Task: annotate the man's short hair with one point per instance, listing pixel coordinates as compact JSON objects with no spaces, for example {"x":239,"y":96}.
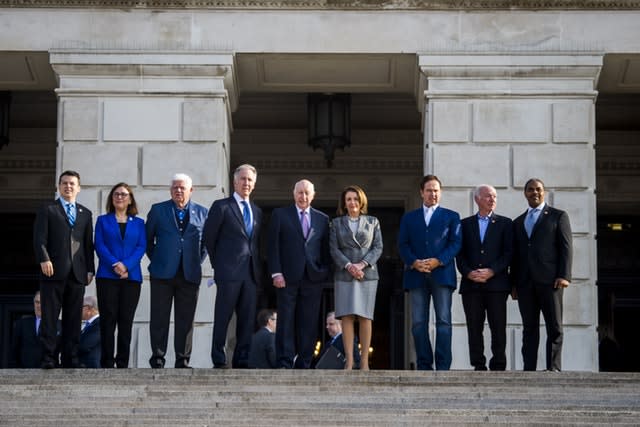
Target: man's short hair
{"x":476,"y":191}
{"x":264,"y":315}
{"x":182,"y":177}
{"x":428,"y":178}
{"x":236,"y":172}
{"x":91,"y":301}
{"x":69,"y":173}
{"x":530,"y":180}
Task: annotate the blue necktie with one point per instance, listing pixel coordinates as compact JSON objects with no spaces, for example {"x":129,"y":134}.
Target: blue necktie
{"x":181,"y":214}
{"x":70,"y":216}
{"x":246,"y":215}
{"x":530,"y":221}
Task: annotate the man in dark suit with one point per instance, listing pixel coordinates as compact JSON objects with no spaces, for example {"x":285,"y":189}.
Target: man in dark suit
{"x":540,"y":270}
{"x":299,"y":263}
{"x":483,"y":262}
{"x":89,"y":351}
{"x":63,"y":245}
{"x":174,"y":231}
{"x":263,"y":343}
{"x":429,"y":239}
{"x":231,"y":235}
{"x":26,"y":348}
{"x":334,"y":329}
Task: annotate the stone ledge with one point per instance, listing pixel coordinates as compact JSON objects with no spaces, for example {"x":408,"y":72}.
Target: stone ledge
{"x":334,"y":4}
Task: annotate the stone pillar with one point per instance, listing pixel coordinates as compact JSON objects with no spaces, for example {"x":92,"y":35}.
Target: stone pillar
{"x":501,"y":119}
{"x":140,"y":117}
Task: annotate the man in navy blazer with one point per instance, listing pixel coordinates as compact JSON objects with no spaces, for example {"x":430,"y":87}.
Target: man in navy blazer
{"x":90,"y":349}
{"x":299,"y":263}
{"x":540,"y":270}
{"x":429,"y":239}
{"x":174,"y":232}
{"x":231,"y":236}
{"x":63,"y":245}
{"x":483,"y":262}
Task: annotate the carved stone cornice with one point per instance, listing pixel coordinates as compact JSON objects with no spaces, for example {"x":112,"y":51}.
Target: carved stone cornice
{"x":333,"y":4}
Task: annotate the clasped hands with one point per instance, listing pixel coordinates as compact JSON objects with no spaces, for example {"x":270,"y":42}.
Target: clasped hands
{"x":480,"y":275}
{"x":426,"y":265}
{"x":356,"y":269}
{"x":121,"y":270}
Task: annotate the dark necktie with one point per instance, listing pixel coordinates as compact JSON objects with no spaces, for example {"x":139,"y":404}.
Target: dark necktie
{"x":246,"y":215}
{"x":70,"y":215}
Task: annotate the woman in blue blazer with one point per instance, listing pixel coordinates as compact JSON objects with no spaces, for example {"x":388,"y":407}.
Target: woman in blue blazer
{"x":120,"y":243}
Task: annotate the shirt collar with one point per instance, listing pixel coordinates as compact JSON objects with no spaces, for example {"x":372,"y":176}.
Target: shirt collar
{"x":239,"y":199}
{"x":430,"y":208}
{"x":538,"y":208}
{"x":484,"y":218}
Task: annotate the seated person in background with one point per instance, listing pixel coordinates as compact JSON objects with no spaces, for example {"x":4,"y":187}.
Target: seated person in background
{"x":26,"y":348}
{"x":263,"y":344}
{"x":89,"y":351}
{"x":334,"y":329}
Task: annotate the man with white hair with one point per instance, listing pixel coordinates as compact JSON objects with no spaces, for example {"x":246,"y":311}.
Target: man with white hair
{"x":174,"y":231}
{"x":299,"y":264}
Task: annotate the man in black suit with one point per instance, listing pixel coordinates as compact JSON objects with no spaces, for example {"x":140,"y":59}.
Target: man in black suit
{"x":541,"y":269}
{"x":483,"y":262}
{"x":334,"y":329}
{"x":26,"y":346}
{"x":90,"y":343}
{"x":231,"y":236}
{"x":263,"y":343}
{"x":63,"y":245}
{"x":299,"y":263}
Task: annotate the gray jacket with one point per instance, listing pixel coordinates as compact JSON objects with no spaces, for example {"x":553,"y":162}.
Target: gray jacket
{"x":365,"y":245}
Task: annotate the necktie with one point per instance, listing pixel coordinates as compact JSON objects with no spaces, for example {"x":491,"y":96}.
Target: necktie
{"x":483,"y":223}
{"x":246,"y":215}
{"x":530,"y":221}
{"x":181,"y":214}
{"x":70,"y":215}
{"x":304,"y":221}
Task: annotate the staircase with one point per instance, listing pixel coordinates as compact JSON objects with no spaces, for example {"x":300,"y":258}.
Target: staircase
{"x":207,"y":397}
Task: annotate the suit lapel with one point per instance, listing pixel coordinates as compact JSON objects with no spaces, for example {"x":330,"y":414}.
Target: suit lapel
{"x":475,"y":230}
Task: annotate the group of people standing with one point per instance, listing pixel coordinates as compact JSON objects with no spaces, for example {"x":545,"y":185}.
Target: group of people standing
{"x":529,"y":258}
{"x":304,"y":247}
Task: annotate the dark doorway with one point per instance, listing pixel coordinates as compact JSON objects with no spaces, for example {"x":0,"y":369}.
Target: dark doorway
{"x":388,"y":325}
{"x":618,"y":293}
{"x":18,"y":276}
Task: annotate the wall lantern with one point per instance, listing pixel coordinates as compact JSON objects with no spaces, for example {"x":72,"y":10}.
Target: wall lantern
{"x":329,"y":124}
{"x":5,"y":101}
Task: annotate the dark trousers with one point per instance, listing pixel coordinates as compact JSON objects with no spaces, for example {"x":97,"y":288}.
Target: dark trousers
{"x":184,"y":295}
{"x":532,"y":300}
{"x":479,"y":306}
{"x":298,"y":313}
{"x":66,"y":295}
{"x":118,"y":300}
{"x":239,"y":297}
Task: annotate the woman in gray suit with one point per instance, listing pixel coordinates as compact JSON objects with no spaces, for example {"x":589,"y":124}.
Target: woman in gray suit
{"x":355,"y":244}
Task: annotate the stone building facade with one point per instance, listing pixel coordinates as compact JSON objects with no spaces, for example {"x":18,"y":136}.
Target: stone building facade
{"x":472,"y":91}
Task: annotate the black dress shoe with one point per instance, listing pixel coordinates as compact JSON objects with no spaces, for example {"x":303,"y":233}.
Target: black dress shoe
{"x":48,"y":365}
{"x":480,"y":368}
{"x":221,"y":366}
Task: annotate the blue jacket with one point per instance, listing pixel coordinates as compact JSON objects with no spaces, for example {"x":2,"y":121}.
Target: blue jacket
{"x":441,"y":240}
{"x":166,"y":246}
{"x":112,"y":248}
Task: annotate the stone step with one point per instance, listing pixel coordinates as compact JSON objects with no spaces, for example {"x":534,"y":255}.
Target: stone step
{"x":203,"y":397}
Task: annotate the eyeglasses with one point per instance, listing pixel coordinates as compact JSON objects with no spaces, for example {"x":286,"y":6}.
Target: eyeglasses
{"x":121,"y":195}
{"x":273,"y":318}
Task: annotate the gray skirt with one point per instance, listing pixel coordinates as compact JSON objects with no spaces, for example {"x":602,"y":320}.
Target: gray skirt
{"x":355,"y":298}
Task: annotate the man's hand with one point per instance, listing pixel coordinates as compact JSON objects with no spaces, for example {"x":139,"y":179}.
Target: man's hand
{"x":278,"y":281}
{"x":421,"y":265}
{"x":561,"y":283}
{"x":47,"y":268}
{"x":481,"y":275}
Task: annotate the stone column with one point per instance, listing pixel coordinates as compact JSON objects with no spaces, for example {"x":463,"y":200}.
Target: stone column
{"x":501,"y":119}
{"x":140,"y":117}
